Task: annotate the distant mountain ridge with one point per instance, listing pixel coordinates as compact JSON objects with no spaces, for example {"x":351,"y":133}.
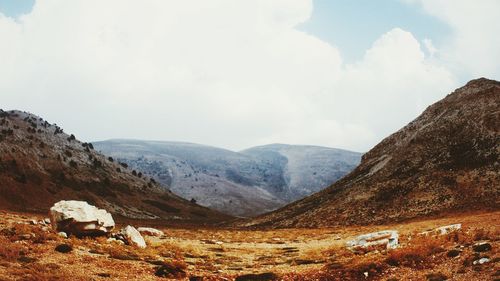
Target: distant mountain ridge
{"x":446,"y":160}
{"x":246,"y":183}
{"x":40,"y":164}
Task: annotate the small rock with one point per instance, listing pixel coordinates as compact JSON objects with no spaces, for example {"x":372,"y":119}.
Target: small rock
{"x":62,"y":234}
{"x":131,"y":236}
{"x":481,"y":247}
{"x":33,"y":222}
{"x":149,"y":231}
{"x":46,"y":220}
{"x":64,"y":248}
{"x":481,"y":261}
{"x":443,"y":230}
{"x":453,"y":253}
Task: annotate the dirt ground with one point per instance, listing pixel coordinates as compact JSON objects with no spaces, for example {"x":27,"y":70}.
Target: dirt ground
{"x":27,"y":252}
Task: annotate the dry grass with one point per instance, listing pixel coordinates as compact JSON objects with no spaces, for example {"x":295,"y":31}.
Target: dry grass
{"x":292,"y":254}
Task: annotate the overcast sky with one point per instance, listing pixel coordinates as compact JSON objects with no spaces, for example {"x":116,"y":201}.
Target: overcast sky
{"x":236,"y":74}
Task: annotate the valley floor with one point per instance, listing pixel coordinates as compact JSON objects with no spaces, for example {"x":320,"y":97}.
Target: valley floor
{"x":27,"y":252}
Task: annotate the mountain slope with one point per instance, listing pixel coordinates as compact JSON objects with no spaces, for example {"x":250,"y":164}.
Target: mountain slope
{"x":446,"y":160}
{"x":40,"y":165}
{"x":246,"y":183}
{"x":306,"y":169}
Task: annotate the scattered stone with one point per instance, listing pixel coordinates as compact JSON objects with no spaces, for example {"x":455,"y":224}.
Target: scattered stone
{"x":387,"y":239}
{"x":481,"y":261}
{"x":64,"y":248}
{"x":46,"y":220}
{"x":436,"y":277}
{"x":453,"y":253}
{"x":114,"y":240}
{"x":149,"y":231}
{"x":268,"y":276}
{"x":131,"y":236}
{"x":481,"y":247}
{"x":62,"y":234}
{"x":80,"y":218}
{"x":33,"y":222}
{"x":443,"y":230}
{"x":170,"y":271}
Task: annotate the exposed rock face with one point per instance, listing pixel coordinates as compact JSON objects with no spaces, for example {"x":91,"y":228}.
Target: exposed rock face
{"x":80,"y":218}
{"x":446,"y":160}
{"x":131,"y":236}
{"x":149,"y":231}
{"x":41,"y":165}
{"x":245,"y":183}
{"x":387,"y":239}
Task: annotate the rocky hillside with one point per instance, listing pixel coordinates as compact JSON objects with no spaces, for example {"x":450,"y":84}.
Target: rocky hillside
{"x":40,"y":165}
{"x":446,"y":160}
{"x":246,"y":183}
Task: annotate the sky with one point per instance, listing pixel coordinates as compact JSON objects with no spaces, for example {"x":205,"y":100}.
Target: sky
{"x":237,"y":73}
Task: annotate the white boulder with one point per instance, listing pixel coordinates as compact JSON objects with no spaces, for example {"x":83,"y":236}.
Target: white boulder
{"x":387,"y":239}
{"x":80,"y":218}
{"x":131,"y":236}
{"x":149,"y":231}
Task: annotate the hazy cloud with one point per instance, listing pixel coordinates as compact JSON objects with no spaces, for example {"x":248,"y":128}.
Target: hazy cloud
{"x":226,"y":73}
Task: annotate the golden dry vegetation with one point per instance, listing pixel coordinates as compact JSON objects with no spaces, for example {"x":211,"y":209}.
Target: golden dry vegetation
{"x":27,"y":252}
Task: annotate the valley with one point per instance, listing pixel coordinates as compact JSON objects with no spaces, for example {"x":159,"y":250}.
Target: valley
{"x":199,"y":253}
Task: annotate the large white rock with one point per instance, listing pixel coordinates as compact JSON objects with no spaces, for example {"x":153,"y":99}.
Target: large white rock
{"x":149,"y":231}
{"x":387,"y":239}
{"x":131,"y":236}
{"x":80,"y":218}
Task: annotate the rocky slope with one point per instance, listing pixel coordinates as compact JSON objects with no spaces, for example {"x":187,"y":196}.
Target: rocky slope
{"x":246,"y":183}
{"x":40,"y":165}
{"x":446,"y":160}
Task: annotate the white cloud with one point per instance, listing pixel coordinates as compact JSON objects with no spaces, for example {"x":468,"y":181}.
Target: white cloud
{"x":226,"y":73}
{"x":473,"y":50}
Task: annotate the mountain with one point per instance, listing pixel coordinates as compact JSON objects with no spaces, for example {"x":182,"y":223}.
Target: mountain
{"x":446,"y":160}
{"x":305,"y":169}
{"x":40,"y":165}
{"x":245,"y":183}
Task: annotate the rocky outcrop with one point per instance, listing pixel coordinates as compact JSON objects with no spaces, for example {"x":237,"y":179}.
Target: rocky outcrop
{"x":80,"y":218}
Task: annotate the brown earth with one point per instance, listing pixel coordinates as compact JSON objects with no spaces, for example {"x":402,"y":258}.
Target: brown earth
{"x":27,"y":252}
{"x":446,"y":160}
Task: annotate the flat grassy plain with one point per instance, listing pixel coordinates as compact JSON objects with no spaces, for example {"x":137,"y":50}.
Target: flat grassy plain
{"x":27,"y":252}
